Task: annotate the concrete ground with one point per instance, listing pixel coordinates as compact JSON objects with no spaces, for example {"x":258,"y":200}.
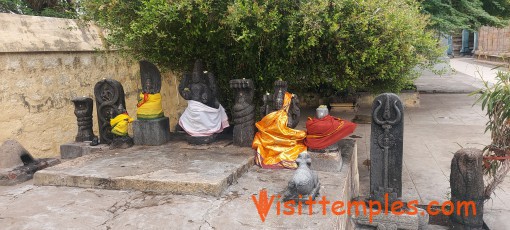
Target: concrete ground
{"x":446,"y":121}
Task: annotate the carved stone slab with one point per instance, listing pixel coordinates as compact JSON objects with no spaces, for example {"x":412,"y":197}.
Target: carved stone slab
{"x":109,"y":95}
{"x":386,"y":147}
{"x":151,"y":77}
{"x":243,"y":112}
{"x":83,"y":110}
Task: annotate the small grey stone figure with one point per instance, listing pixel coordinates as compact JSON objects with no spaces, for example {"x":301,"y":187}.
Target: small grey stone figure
{"x":109,"y":94}
{"x":199,"y":86}
{"x":304,"y":182}
{"x":273,"y":102}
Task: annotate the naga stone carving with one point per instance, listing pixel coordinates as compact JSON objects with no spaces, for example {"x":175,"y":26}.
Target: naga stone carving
{"x":466,"y":182}
{"x":243,"y":112}
{"x":109,"y":95}
{"x":83,"y":110}
{"x":273,"y":102}
{"x":304,"y":183}
{"x":386,"y":148}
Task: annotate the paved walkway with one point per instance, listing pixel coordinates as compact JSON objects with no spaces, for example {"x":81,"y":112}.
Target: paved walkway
{"x":446,"y":120}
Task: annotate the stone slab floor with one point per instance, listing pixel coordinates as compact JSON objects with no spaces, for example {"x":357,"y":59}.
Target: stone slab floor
{"x":433,"y":132}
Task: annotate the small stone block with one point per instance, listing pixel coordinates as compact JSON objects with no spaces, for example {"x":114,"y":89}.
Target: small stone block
{"x":77,"y":149}
{"x":151,"y":132}
{"x":326,"y":161}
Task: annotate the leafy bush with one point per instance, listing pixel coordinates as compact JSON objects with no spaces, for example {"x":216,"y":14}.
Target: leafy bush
{"x":345,"y":44}
{"x":494,"y":99}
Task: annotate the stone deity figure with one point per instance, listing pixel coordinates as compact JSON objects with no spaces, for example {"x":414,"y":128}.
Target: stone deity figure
{"x":83,"y":110}
{"x":277,"y":143}
{"x":324,"y":131}
{"x":119,"y":125}
{"x":243,"y":112}
{"x":204,"y":117}
{"x":149,"y":105}
{"x":304,"y":182}
{"x":273,"y":102}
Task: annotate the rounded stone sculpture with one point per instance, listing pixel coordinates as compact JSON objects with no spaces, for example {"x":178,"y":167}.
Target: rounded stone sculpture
{"x":243,"y":112}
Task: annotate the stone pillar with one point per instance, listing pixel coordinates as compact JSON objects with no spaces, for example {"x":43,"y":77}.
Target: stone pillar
{"x":243,"y":112}
{"x":386,"y":148}
{"x":109,"y":95}
{"x":466,"y":183}
{"x":83,"y":110}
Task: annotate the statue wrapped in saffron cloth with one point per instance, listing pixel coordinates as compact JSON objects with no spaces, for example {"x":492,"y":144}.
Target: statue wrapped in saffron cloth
{"x":277,"y":145}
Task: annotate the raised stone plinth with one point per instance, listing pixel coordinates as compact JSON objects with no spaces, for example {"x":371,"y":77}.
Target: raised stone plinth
{"x":151,"y":132}
{"x":175,"y":167}
{"x":327,"y":160}
{"x":77,"y":149}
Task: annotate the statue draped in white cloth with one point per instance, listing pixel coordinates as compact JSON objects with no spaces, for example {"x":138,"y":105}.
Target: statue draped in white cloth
{"x":204,"y":115}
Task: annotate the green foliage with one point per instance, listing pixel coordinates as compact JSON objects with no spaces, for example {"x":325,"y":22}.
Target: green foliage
{"x":47,"y":8}
{"x":494,"y":100}
{"x":451,"y":15}
{"x":343,"y":44}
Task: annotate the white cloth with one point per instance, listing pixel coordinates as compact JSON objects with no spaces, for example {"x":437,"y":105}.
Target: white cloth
{"x":201,"y":120}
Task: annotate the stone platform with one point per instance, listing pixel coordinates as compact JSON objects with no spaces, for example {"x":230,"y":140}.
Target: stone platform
{"x":151,"y":132}
{"x":175,"y":167}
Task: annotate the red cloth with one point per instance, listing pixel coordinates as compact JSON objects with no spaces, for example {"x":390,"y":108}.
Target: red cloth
{"x":326,"y":131}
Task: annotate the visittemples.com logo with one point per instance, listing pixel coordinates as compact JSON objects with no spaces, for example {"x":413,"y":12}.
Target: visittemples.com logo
{"x":264,"y":204}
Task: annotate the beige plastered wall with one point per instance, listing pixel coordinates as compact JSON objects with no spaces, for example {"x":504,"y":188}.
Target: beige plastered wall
{"x":44,"y":63}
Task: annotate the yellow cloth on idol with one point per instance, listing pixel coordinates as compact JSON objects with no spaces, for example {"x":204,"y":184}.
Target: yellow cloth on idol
{"x":120,"y":124}
{"x":278,"y":145}
{"x":149,"y":106}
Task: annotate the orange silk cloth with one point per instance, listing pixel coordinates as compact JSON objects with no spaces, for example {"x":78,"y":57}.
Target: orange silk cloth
{"x":326,"y":131}
{"x":277,"y":145}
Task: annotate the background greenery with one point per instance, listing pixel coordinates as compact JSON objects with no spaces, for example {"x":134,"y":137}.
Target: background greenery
{"x":448,"y":16}
{"x":343,"y":45}
{"x":48,"y":8}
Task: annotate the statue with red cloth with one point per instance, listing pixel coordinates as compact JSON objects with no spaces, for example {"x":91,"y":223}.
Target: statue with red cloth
{"x":324,"y":131}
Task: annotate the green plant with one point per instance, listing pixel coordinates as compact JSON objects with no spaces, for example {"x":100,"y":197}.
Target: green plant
{"x":495,"y":101}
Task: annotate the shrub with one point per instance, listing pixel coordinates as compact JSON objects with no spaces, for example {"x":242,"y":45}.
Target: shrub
{"x":346,"y":44}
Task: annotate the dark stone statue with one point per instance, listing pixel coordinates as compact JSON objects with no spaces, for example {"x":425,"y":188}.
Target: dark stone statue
{"x":122,"y":140}
{"x":199,"y":86}
{"x":386,"y":148}
{"x":304,"y":182}
{"x":151,"y":126}
{"x":83,"y":111}
{"x":466,"y":183}
{"x":151,"y":77}
{"x":273,"y":102}
{"x":109,"y":95}
{"x":204,"y":117}
{"x":243,"y":112}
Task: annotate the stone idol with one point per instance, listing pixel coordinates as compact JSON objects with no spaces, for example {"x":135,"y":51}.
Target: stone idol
{"x":109,"y":96}
{"x":323,"y":133}
{"x":204,"y":117}
{"x":151,"y":126}
{"x":273,"y":102}
{"x":119,"y":125}
{"x":243,"y":112}
{"x":304,"y":183}
{"x":83,"y":110}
